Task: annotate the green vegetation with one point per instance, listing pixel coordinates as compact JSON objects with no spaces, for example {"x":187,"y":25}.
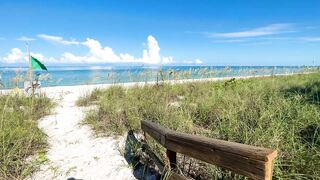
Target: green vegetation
{"x":20,"y":137}
{"x":281,"y":113}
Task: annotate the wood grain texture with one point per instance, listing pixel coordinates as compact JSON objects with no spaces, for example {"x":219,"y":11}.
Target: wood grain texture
{"x":251,"y":161}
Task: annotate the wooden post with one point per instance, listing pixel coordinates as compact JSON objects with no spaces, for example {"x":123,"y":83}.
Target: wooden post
{"x":253,"y":162}
{"x":172,"y":156}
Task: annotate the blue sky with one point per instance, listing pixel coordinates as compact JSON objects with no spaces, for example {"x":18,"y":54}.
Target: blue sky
{"x":217,"y":32}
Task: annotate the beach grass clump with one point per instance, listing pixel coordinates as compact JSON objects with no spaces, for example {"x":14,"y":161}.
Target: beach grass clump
{"x":20,"y":137}
{"x":89,"y":99}
{"x":277,"y":112}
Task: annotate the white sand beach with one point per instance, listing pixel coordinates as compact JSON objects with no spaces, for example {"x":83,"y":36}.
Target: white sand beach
{"x":74,"y":151}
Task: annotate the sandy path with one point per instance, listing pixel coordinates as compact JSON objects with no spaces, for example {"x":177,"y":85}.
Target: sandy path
{"x":73,"y":150}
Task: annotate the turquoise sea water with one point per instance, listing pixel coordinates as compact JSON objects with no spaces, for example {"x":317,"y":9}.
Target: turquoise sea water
{"x":11,"y":77}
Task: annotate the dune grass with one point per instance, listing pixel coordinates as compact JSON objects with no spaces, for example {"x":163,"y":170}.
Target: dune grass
{"x":280,"y":112}
{"x":20,"y":137}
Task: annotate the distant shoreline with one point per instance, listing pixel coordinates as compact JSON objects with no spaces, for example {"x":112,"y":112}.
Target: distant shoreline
{"x":97,"y":75}
{"x":150,"y":65}
{"x":84,"y":89}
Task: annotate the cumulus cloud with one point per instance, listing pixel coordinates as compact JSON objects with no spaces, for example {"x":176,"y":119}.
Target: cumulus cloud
{"x":58,"y":39}
{"x":69,"y":57}
{"x":270,"y":29}
{"x":99,"y":54}
{"x":167,"y":60}
{"x":39,"y":56}
{"x":16,"y":55}
{"x":196,"y":61}
{"x":152,"y":53}
{"x":25,"y":38}
{"x":127,"y":57}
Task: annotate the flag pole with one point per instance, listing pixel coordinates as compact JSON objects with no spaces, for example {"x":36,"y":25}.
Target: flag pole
{"x":30,"y":68}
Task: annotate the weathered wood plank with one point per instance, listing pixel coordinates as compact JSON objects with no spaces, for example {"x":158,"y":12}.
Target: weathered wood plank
{"x":155,"y":131}
{"x":253,"y":162}
{"x":249,"y":151}
{"x":239,"y":164}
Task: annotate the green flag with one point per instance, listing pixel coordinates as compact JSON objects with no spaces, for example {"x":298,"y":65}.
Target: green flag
{"x":36,"y":64}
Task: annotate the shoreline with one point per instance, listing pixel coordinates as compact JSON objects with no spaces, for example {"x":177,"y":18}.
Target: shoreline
{"x":52,"y":91}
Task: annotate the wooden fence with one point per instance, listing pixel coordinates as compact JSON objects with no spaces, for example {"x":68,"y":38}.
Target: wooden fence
{"x":250,"y":161}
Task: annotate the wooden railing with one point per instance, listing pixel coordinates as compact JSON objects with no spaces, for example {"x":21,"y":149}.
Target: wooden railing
{"x":253,"y":162}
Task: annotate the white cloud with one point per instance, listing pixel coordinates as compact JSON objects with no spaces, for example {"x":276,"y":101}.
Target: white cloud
{"x":99,"y":54}
{"x":15,"y":56}
{"x":39,"y":56}
{"x":188,"y":62}
{"x":25,"y":38}
{"x":127,"y":57}
{"x":196,"y":61}
{"x":311,"y":39}
{"x":58,"y":39}
{"x":96,"y":53}
{"x":167,"y":60}
{"x":270,"y":29}
{"x":69,"y":57}
{"x":151,"y":54}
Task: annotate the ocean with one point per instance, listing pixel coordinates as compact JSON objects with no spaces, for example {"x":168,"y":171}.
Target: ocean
{"x":11,"y":77}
